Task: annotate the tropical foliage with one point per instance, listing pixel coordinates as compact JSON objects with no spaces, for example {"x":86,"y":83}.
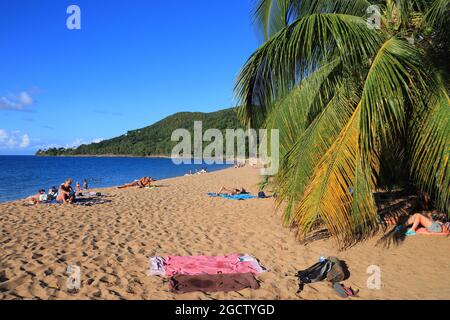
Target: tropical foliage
{"x":154,"y":140}
{"x":360,"y":96}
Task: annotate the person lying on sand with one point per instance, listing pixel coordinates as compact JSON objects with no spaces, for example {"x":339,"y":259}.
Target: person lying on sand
{"x":141,"y":183}
{"x":66,"y":193}
{"x":419,"y":220}
{"x":232,"y":192}
{"x":38,"y":197}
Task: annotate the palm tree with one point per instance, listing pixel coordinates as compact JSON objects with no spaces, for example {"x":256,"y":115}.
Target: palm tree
{"x":360,"y":104}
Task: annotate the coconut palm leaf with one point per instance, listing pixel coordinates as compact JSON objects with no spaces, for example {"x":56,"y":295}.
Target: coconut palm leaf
{"x":295,"y":52}
{"x":431,"y":149}
{"x":329,"y":197}
{"x":271,"y":16}
{"x":291,"y":114}
{"x":396,"y":73}
{"x":299,"y":164}
{"x":438,"y":13}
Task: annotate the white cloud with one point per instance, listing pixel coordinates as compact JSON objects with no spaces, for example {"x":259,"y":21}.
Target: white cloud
{"x":98,"y":140}
{"x":14,"y":140}
{"x":17,"y":102}
{"x":3,"y":135}
{"x":25,"y":143}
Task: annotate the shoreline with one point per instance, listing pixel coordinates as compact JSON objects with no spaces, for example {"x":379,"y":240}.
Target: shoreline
{"x":116,"y":186}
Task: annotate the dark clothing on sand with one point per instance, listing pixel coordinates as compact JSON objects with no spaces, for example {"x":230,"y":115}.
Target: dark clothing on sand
{"x":213,"y":283}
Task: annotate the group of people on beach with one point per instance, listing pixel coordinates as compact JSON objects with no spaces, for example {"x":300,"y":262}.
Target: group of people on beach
{"x":202,"y":171}
{"x":64,"y":194}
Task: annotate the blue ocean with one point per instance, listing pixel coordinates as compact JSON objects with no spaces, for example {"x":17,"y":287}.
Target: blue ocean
{"x":22,"y":176}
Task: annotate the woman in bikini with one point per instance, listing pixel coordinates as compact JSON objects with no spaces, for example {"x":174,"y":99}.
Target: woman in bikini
{"x":141,"y":183}
{"x":66,"y":194}
{"x":432,"y":225}
{"x":232,"y":192}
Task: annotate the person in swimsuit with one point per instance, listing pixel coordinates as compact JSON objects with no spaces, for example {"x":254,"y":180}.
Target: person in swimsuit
{"x":85,"y":185}
{"x":141,"y":183}
{"x":66,"y":194}
{"x":37,"y":198}
{"x":433,"y":226}
{"x":232,"y":192}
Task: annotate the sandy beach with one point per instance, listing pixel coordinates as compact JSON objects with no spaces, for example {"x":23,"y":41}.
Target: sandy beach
{"x":112,"y":243}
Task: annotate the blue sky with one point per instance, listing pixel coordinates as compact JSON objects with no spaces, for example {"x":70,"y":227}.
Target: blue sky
{"x":131,"y":64}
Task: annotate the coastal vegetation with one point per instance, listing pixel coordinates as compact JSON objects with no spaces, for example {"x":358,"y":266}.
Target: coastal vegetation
{"x":360,"y":94}
{"x":154,"y":140}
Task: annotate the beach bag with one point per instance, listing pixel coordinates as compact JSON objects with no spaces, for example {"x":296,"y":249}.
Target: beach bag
{"x":315,"y":273}
{"x":330,"y":269}
{"x":336,"y":274}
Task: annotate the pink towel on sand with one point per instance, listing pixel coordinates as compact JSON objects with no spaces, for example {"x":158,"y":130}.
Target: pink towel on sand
{"x":233,"y":263}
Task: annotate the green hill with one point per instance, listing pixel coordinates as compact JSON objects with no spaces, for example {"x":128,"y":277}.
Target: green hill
{"x":154,"y":140}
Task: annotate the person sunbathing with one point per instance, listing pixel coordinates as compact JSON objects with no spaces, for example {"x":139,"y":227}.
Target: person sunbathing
{"x":419,"y":220}
{"x":141,"y":183}
{"x":38,"y":197}
{"x":232,"y":192}
{"x":66,"y":194}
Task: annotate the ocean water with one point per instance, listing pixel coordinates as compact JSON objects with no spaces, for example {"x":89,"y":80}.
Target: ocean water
{"x":22,"y":176}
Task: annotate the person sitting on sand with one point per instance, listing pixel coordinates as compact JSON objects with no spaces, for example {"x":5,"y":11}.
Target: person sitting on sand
{"x":419,"y":220}
{"x":38,"y":197}
{"x":52,"y":193}
{"x":141,"y":183}
{"x":85,"y":185}
{"x":232,"y":192}
{"x":66,"y":194}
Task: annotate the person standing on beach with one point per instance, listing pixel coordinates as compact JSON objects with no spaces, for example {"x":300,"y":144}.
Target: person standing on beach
{"x":85,"y":185}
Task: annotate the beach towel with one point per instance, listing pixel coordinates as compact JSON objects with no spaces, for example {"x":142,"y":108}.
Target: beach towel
{"x":213,"y":283}
{"x":193,"y":265}
{"x":234,"y":197}
{"x":87,"y":202}
{"x":425,"y":231}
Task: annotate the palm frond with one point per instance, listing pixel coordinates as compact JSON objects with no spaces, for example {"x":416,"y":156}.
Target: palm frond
{"x":431,"y":149}
{"x":271,"y":16}
{"x":340,"y":194}
{"x":396,"y":73}
{"x":437,"y":14}
{"x":304,"y":8}
{"x":291,"y":114}
{"x":295,"y":52}
{"x":298,"y":165}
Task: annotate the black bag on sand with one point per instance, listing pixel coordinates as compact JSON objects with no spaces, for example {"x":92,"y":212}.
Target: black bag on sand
{"x":330,"y":269}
